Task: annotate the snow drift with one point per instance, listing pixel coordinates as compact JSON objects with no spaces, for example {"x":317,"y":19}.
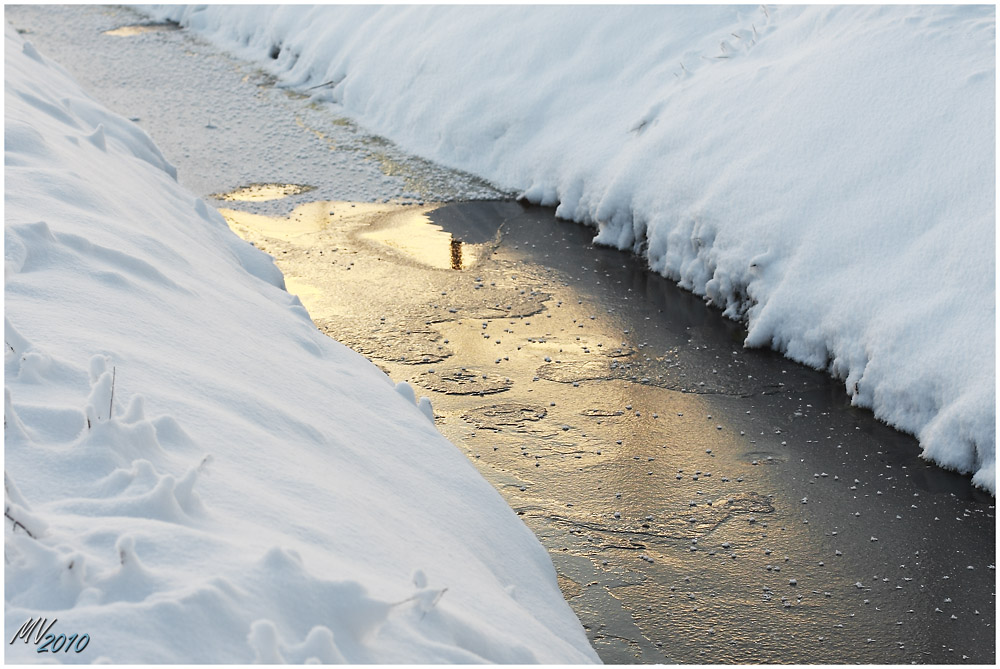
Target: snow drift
{"x":194,"y":473}
{"x":825,"y":173}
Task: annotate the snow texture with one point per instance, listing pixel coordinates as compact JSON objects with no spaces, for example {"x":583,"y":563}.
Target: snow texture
{"x":826,"y":174}
{"x":193,"y":472}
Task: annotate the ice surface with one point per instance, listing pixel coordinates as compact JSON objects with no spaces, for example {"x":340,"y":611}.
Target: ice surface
{"x":193,"y":472}
{"x":826,"y":173}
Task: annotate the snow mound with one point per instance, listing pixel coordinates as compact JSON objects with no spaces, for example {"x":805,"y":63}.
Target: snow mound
{"x":193,"y":472}
{"x":825,"y":173}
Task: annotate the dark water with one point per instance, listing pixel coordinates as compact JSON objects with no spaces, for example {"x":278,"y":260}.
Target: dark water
{"x":702,"y":503}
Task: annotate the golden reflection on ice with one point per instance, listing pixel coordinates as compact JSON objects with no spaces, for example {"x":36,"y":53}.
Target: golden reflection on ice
{"x":305,"y":219}
{"x":130,"y":31}
{"x":422,"y":240}
{"x":263,"y":192}
{"x":307,"y":293}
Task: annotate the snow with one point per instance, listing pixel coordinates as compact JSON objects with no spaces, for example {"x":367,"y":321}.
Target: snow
{"x":825,"y":173}
{"x":193,"y":472}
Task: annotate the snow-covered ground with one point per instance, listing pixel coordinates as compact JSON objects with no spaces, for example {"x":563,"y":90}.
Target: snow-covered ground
{"x":827,"y":173}
{"x":193,"y":472}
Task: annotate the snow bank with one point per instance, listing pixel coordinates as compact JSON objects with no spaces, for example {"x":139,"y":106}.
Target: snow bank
{"x":826,"y":173}
{"x":193,"y":472}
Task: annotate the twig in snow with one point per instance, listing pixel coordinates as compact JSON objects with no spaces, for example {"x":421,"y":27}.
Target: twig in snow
{"x":111,"y":404}
{"x":333,"y":82}
{"x":434,"y":603}
{"x":411,"y":598}
{"x":17,"y":523}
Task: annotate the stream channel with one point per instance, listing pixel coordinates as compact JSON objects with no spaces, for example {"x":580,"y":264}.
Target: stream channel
{"x":701,"y":502}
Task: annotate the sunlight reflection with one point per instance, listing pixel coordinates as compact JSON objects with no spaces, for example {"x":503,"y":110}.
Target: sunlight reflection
{"x":130,"y":31}
{"x":263,"y":192}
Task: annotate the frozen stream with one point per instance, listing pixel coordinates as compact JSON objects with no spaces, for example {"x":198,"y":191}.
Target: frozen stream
{"x":701,"y":503}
